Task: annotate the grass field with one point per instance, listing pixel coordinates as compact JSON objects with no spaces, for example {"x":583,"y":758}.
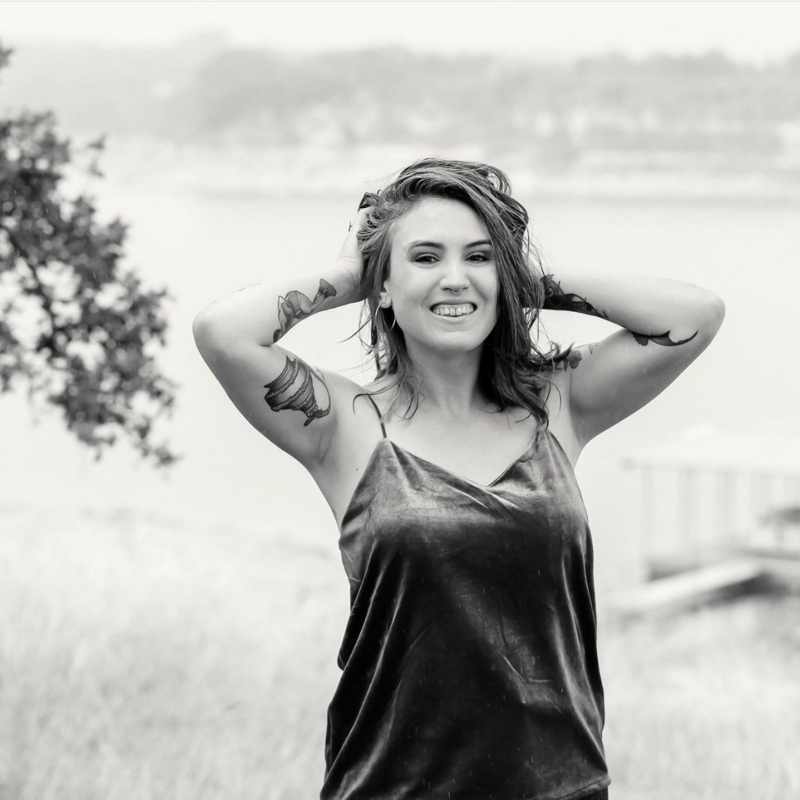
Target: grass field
{"x":146,"y":658}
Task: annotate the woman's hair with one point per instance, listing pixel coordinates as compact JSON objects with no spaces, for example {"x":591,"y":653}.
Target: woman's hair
{"x":512,"y":367}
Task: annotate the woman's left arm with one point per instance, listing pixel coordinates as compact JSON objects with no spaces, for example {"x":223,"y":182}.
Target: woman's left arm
{"x":667,"y":324}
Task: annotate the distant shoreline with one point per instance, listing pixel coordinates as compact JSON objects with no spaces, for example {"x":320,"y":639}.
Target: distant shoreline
{"x":320,"y":171}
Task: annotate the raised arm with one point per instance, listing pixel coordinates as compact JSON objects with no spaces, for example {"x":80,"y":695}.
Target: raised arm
{"x":666,"y":324}
{"x":289,"y":401}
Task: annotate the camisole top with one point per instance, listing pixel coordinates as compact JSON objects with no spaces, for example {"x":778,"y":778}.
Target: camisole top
{"x":469,"y":661}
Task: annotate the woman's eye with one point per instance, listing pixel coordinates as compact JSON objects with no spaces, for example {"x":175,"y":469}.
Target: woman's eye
{"x":430,"y":258}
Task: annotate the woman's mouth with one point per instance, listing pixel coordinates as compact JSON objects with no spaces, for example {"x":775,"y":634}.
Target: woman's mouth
{"x":453,"y":309}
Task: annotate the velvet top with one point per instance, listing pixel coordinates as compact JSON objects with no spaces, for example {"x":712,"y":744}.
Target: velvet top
{"x":469,"y":661}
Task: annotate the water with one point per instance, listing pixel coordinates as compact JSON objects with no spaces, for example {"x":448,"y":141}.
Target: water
{"x":204,"y":245}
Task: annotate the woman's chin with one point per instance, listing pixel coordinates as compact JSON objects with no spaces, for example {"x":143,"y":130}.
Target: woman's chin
{"x":451,"y":342}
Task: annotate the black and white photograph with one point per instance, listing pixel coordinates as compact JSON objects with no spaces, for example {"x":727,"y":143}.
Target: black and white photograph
{"x":398,"y":400}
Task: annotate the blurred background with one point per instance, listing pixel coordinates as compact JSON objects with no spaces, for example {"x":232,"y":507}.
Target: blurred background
{"x":170,"y":613}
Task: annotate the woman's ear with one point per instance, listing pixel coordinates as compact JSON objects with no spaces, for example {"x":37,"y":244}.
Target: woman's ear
{"x":386,"y":301}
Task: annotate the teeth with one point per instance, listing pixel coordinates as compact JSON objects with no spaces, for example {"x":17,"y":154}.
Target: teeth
{"x":453,"y":311}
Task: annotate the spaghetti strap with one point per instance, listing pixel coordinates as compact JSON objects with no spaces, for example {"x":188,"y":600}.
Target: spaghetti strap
{"x":378,"y":411}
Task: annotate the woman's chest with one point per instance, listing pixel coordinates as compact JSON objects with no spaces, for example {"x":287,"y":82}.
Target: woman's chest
{"x":418,"y":518}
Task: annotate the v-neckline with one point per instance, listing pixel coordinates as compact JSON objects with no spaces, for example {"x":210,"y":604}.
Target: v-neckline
{"x":492,"y":484}
{"x":488,"y":487}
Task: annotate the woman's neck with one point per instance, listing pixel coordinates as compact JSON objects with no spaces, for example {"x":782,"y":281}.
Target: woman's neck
{"x":449,"y":390}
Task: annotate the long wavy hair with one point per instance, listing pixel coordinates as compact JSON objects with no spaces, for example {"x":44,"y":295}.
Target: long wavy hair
{"x":513,"y":369}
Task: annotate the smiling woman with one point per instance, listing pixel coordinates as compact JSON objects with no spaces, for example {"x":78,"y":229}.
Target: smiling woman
{"x":469,"y":660}
{"x":456,"y":283}
{"x":443,"y":235}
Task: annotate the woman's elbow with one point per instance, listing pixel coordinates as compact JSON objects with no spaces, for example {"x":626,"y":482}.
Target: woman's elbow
{"x":205,"y":329}
{"x":718,"y":305}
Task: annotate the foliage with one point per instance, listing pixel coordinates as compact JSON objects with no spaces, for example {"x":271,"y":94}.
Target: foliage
{"x":87,"y":318}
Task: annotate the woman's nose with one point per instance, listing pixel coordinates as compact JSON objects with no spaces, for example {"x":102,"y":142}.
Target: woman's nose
{"x":455,"y":276}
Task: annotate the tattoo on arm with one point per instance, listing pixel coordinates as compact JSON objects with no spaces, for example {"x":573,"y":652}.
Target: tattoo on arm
{"x":558,"y":300}
{"x":572,"y":360}
{"x":661,"y":338}
{"x":294,"y":389}
{"x":296,"y":306}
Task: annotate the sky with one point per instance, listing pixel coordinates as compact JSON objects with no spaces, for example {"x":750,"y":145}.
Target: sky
{"x":754,"y":31}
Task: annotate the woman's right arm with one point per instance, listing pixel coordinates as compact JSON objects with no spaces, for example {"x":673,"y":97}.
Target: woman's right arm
{"x":292,"y":403}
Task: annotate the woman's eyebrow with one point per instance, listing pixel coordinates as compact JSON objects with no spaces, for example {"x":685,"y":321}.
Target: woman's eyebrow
{"x":440,"y":246}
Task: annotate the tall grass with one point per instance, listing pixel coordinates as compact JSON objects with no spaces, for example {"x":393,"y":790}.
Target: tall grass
{"x":706,"y":705}
{"x":155,"y":659}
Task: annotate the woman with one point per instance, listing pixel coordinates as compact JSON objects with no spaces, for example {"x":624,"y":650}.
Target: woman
{"x":469,"y":662}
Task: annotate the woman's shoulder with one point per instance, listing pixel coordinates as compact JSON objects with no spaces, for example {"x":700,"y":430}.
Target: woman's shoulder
{"x":561,"y":421}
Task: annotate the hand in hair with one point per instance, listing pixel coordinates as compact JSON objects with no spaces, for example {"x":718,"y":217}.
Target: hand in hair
{"x":350,"y":257}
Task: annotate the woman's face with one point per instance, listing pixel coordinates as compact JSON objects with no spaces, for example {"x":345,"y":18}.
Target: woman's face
{"x":442,"y":260}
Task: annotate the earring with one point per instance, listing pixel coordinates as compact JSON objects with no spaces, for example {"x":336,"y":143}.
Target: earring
{"x":384,"y":309}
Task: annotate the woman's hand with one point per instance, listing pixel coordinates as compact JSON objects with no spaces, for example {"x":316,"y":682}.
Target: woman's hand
{"x":350,"y":258}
